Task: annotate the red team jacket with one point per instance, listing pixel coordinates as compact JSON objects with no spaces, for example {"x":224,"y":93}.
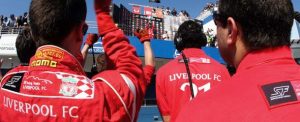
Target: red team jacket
{"x":20,"y":68}
{"x":266,"y":88}
{"x":172,"y":86}
{"x":55,"y":87}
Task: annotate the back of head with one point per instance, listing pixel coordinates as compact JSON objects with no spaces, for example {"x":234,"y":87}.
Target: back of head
{"x":52,"y":20}
{"x":189,"y":35}
{"x":264,"y":23}
{"x":25,"y":45}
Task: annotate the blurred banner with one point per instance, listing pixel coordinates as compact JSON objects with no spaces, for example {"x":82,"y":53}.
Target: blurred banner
{"x":136,"y":9}
{"x":7,"y":45}
{"x":148,"y":11}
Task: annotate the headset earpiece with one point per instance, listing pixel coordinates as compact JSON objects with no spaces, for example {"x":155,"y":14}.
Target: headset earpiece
{"x":178,"y":42}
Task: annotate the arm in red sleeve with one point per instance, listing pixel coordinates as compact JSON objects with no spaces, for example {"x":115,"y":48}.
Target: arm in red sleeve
{"x":148,"y":72}
{"x":123,"y":84}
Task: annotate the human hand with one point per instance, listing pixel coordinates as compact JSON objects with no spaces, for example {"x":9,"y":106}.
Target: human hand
{"x":143,"y":35}
{"x":102,"y":6}
{"x":91,"y":39}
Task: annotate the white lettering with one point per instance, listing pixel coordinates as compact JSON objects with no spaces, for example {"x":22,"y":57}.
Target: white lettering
{"x":205,"y":87}
{"x":4,"y":102}
{"x":172,"y":78}
{"x":217,"y":77}
{"x":69,"y":111}
{"x":179,"y":75}
{"x":51,"y":112}
{"x":15,"y":105}
{"x":196,"y":89}
{"x":44,"y":110}
{"x":27,"y":107}
{"x":64,"y":111}
{"x":184,"y":76}
{"x":184,"y":85}
{"x":37,"y":112}
{"x":21,"y":107}
{"x":10,"y":102}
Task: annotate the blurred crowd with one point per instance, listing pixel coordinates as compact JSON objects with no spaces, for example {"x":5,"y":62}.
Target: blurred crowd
{"x":11,"y":23}
{"x":14,"y":21}
{"x":173,"y":12}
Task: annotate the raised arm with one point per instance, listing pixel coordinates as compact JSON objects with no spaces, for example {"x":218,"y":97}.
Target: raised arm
{"x":123,"y":84}
{"x":116,"y":45}
{"x":145,"y":38}
{"x":90,"y":40}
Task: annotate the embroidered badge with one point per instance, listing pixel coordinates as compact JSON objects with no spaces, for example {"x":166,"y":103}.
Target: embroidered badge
{"x":14,"y":82}
{"x":281,"y":93}
{"x":69,"y":86}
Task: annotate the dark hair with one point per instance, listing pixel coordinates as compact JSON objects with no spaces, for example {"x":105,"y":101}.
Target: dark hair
{"x":264,"y":23}
{"x":297,"y":15}
{"x":25,"y":45}
{"x":189,"y":35}
{"x":52,"y":20}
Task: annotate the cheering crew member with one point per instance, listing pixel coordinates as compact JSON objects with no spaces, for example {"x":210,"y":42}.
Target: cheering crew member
{"x":192,"y":69}
{"x":55,"y":87}
{"x":254,"y":36}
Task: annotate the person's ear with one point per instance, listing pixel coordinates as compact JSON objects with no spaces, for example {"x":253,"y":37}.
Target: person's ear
{"x":232,"y":31}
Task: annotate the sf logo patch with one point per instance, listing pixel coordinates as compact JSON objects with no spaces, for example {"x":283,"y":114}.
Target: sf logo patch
{"x":279,"y":93}
{"x":14,"y":82}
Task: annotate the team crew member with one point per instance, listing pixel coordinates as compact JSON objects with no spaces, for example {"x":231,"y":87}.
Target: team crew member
{"x":172,"y":80}
{"x":254,"y":36}
{"x":26,"y":47}
{"x":55,"y":87}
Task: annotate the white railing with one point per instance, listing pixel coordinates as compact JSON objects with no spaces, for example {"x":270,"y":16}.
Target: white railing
{"x":10,"y":30}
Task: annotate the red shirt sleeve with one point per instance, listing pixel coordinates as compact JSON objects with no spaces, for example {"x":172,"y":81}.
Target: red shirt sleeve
{"x":160,"y":94}
{"x":148,"y":72}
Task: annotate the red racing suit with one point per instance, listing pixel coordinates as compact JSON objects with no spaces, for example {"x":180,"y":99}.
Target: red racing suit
{"x":172,"y":85}
{"x":265,"y":88}
{"x":20,"y":68}
{"x":55,"y":87}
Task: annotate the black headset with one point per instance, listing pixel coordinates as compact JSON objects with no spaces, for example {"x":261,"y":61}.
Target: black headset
{"x":178,"y":42}
{"x":180,"y":46}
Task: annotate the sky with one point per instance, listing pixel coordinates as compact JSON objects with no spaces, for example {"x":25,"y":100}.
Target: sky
{"x":193,"y":7}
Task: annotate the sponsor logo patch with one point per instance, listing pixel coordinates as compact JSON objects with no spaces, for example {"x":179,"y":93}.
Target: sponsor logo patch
{"x":196,"y":60}
{"x":281,"y":93}
{"x":49,"y":53}
{"x":14,"y":82}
